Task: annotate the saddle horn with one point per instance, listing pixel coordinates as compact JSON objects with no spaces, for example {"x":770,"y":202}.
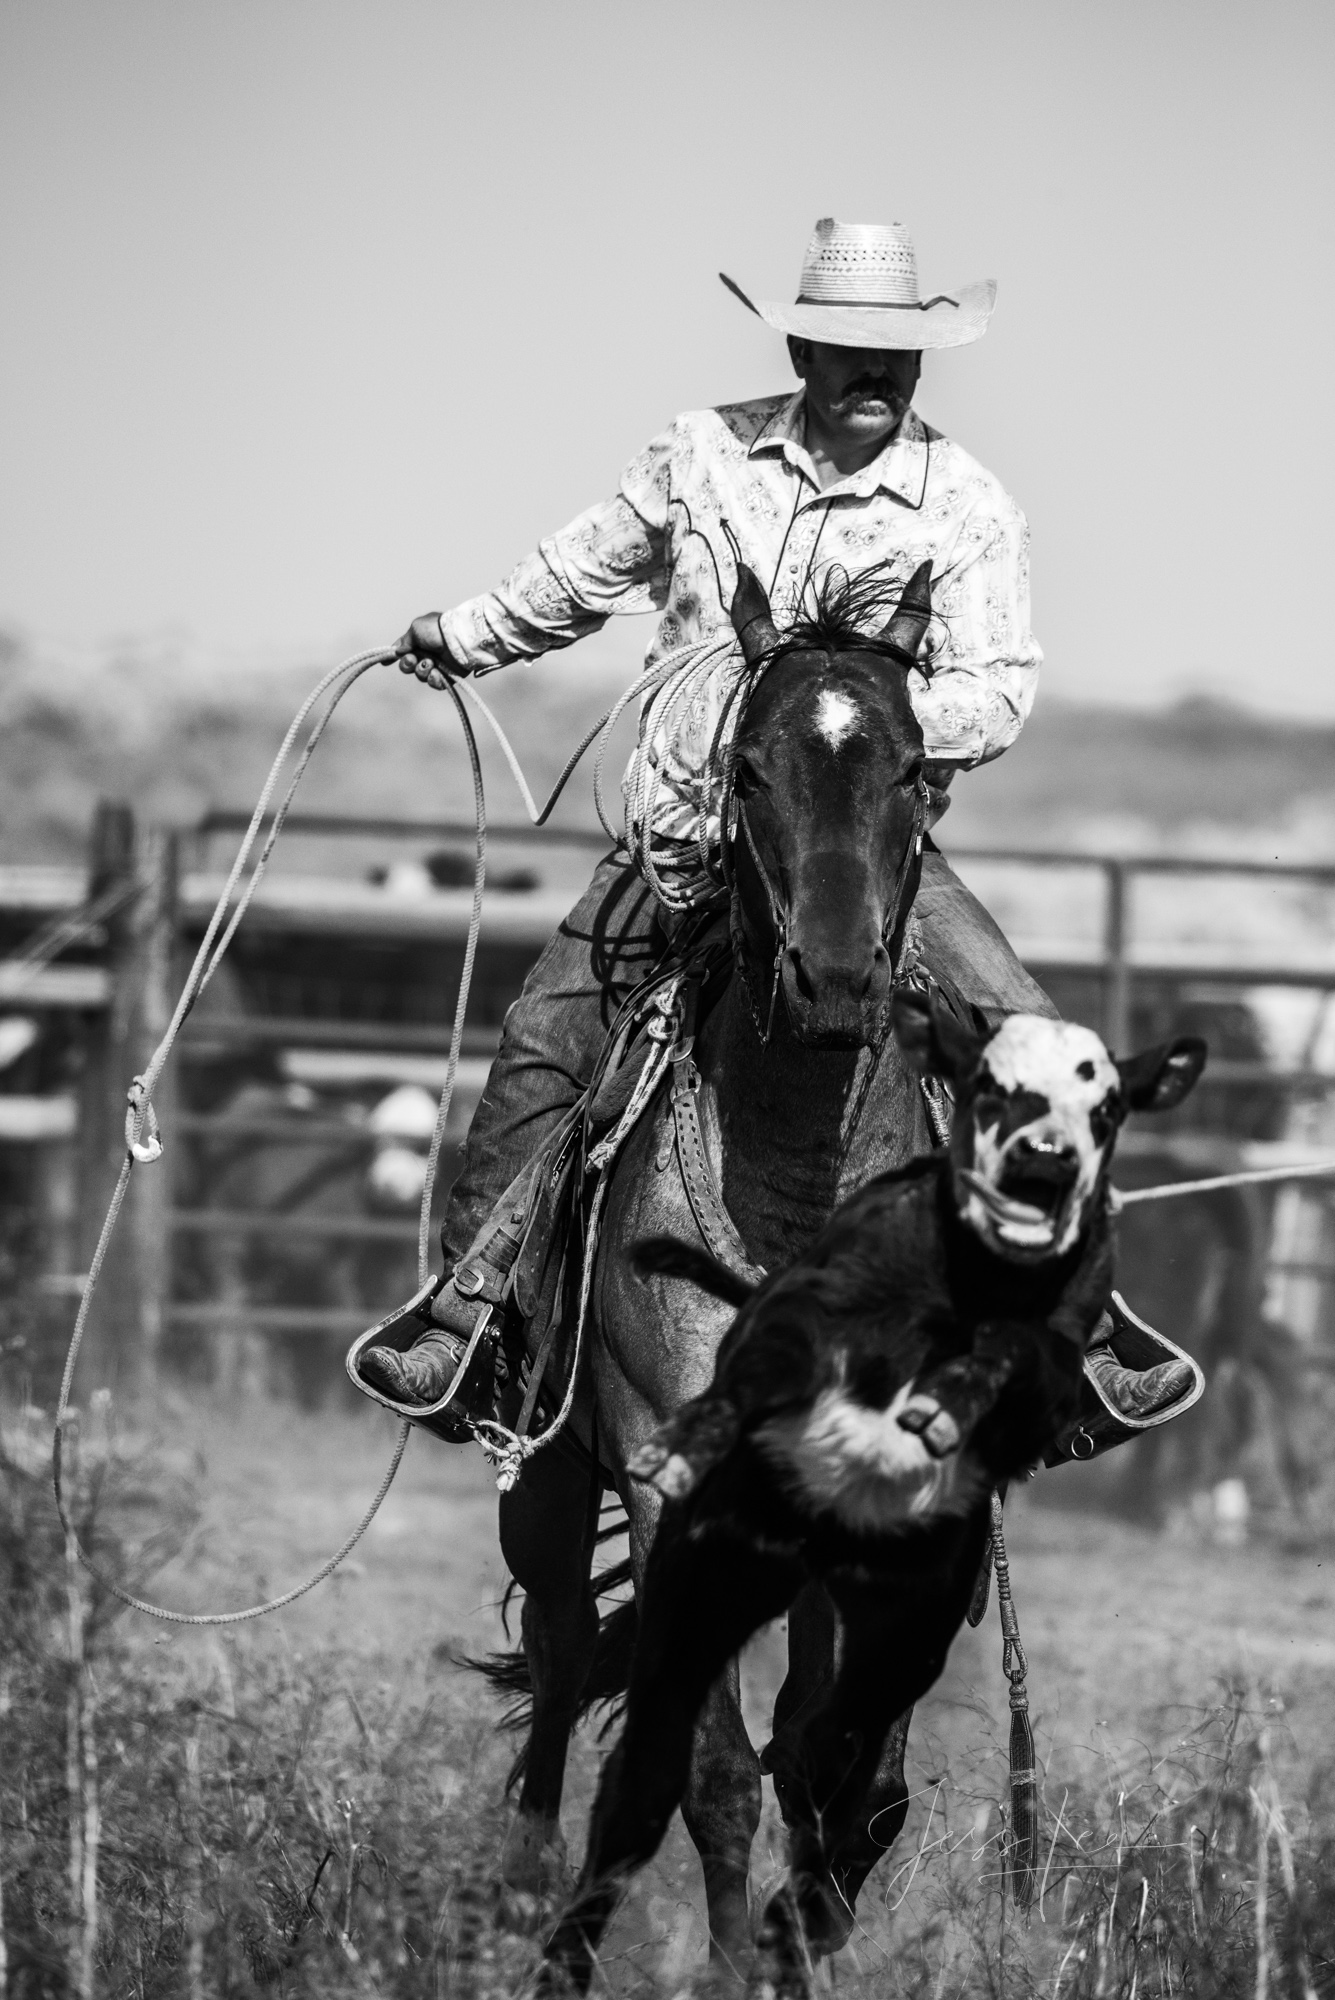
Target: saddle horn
{"x":910,"y":618}
{"x":752,"y":619}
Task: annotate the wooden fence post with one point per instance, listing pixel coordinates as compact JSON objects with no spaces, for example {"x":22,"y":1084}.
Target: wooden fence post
{"x":125,"y":1328}
{"x":1116,"y":958}
{"x":101,"y":1140}
{"x":155,"y":929}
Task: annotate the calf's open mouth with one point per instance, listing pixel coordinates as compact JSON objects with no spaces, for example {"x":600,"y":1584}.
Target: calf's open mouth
{"x":1028,"y":1204}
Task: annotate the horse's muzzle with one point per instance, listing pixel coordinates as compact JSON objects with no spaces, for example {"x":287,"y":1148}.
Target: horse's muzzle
{"x":836,"y":1003}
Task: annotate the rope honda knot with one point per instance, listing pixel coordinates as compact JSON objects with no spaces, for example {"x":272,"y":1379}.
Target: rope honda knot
{"x":143,"y":1140}
{"x":505,"y":1450}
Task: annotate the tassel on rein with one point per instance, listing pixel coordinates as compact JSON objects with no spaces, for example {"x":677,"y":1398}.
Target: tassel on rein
{"x":1022,"y":1850}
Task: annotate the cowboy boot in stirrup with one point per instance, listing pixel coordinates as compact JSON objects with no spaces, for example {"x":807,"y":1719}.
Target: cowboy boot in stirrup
{"x":1136,"y":1393}
{"x":423,"y":1372}
{"x":466,"y":1312}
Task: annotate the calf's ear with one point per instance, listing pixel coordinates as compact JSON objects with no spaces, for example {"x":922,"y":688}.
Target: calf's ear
{"x":1159,"y":1078}
{"x":933,"y":1037}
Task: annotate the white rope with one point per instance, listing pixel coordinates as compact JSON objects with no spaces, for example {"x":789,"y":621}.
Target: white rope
{"x":668,"y":689}
{"x":603,"y":728}
{"x":461,"y":1003}
{"x":143,"y":1143}
{"x":1252,"y":1177}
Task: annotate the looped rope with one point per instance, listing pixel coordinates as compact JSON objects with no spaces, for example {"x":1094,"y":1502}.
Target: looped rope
{"x":143,"y":1138}
{"x":141,"y":1119}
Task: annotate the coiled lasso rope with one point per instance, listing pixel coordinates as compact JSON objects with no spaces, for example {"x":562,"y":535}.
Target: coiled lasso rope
{"x":143,"y":1140}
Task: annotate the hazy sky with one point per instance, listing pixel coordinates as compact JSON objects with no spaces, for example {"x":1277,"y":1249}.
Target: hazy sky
{"x":318,"y":314}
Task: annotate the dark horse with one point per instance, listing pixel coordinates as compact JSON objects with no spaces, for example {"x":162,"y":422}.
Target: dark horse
{"x":804,"y":1096}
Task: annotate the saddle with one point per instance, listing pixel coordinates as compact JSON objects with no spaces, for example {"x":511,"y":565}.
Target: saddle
{"x":648,"y":1051}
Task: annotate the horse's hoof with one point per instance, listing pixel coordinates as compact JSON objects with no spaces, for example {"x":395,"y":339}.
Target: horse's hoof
{"x":925,"y":1418}
{"x":534,"y":1871}
{"x":782,"y":1966}
{"x":829,"y":1925}
{"x":518,"y":1911}
{"x":553,"y":1980}
{"x":779,"y":1979}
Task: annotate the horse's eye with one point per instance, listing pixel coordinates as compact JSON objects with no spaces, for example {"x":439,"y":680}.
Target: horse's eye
{"x":743,"y":778}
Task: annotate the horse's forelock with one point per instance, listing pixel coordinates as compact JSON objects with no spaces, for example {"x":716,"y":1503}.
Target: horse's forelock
{"x":848,"y":614}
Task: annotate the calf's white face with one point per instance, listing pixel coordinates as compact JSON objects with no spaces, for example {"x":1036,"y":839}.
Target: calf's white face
{"x":1038,"y":1104}
{"x":1046,"y":1104}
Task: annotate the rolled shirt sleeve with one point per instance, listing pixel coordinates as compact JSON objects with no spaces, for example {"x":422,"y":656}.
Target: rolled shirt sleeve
{"x":610,"y":559}
{"x":985,"y":671}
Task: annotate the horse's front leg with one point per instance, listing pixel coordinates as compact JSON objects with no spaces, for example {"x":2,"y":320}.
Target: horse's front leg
{"x":813,"y":1654}
{"x":548,"y":1522}
{"x":703,"y":1594}
{"x":721,"y":1801}
{"x":892,"y":1647}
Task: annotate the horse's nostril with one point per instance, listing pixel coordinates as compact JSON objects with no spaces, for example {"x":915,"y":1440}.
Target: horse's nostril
{"x":804,"y":986}
{"x":837,"y":982}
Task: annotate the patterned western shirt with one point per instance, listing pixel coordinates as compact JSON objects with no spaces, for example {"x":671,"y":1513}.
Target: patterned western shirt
{"x":658,"y":545}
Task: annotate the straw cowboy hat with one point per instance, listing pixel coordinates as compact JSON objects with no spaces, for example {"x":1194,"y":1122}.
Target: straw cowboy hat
{"x":859,"y":288}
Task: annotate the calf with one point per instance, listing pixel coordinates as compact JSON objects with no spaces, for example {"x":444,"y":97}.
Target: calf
{"x":864,"y":1405}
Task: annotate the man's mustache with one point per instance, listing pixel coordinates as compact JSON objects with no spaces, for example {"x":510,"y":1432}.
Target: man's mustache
{"x":871,"y":385}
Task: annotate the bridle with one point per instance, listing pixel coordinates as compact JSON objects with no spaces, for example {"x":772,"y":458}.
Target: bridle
{"x":734,"y":809}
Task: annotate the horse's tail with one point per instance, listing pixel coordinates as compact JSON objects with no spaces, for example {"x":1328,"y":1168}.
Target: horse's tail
{"x":608,"y":1678}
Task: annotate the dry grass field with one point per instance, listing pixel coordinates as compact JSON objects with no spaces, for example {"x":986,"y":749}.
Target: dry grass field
{"x":313,"y":1804}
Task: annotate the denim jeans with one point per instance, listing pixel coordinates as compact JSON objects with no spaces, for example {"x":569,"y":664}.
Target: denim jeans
{"x":611,"y":940}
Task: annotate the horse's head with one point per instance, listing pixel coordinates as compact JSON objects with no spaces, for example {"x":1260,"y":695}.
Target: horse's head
{"x":1038,"y":1106}
{"x":826,"y":774}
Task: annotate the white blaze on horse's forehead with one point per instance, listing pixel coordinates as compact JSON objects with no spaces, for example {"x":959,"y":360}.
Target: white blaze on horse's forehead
{"x":836,"y":715}
{"x":1065,"y":1063}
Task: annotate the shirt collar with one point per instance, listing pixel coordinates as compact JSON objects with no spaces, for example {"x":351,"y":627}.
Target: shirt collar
{"x":901,"y":469}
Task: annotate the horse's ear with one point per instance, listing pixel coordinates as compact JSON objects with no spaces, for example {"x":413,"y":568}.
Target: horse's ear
{"x":752,"y":619}
{"x":933,"y":1037}
{"x":913,"y":613}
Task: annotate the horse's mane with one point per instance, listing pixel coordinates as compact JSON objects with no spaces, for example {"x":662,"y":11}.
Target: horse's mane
{"x":847,"y":614}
